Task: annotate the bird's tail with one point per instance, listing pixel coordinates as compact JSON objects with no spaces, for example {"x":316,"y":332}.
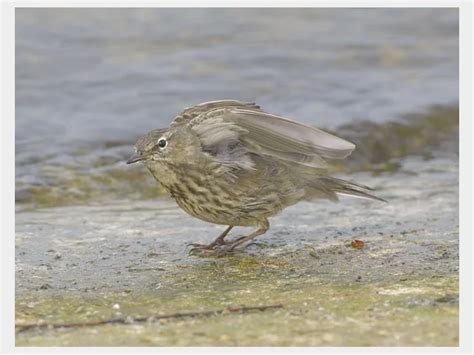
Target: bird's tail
{"x":342,"y":187}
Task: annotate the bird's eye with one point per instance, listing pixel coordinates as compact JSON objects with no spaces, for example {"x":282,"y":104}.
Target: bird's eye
{"x":162,"y":143}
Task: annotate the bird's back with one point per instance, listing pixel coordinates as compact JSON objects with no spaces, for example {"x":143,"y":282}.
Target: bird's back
{"x":250,"y":164}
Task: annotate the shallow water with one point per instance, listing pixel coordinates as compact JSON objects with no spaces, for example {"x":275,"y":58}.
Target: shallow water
{"x":96,"y":239}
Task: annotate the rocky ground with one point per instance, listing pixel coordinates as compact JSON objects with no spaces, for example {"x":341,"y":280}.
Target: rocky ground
{"x":128,"y":260}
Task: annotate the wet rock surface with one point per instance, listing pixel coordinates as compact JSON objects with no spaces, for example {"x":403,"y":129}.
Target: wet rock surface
{"x":129,"y":259}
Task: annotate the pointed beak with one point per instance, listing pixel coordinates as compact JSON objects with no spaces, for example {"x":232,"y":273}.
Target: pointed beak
{"x":134,"y":158}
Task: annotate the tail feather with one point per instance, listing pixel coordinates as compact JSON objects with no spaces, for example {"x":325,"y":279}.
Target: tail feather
{"x":342,"y":187}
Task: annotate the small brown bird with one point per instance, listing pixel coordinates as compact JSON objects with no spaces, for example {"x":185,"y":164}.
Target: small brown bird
{"x":228,"y":162}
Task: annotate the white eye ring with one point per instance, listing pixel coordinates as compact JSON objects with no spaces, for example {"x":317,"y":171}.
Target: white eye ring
{"x":162,"y":143}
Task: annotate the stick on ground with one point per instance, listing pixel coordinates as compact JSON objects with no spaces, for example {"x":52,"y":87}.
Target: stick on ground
{"x":153,"y":318}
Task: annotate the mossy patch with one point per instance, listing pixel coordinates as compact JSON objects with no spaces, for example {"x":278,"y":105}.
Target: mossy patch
{"x":313,"y":314}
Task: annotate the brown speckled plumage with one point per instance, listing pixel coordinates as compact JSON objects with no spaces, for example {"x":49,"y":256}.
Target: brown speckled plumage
{"x":230,"y":163}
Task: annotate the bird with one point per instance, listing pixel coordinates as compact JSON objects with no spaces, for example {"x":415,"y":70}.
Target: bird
{"x":230,"y":163}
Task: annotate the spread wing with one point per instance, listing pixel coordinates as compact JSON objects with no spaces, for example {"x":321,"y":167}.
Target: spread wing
{"x":192,"y":112}
{"x":229,"y":131}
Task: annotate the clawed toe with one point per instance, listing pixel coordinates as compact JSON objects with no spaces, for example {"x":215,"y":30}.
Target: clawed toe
{"x":197,"y":245}
{"x":198,"y":249}
{"x":210,"y":249}
{"x":223,"y":250}
{"x":221,"y":247}
{"x":201,"y":249}
{"x":215,"y":251}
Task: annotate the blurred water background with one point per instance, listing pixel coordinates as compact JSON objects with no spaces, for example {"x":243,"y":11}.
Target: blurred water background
{"x":89,"y":82}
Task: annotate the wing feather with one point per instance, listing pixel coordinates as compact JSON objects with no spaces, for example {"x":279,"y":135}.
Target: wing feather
{"x":229,"y":126}
{"x":190,"y":113}
{"x":281,"y":134}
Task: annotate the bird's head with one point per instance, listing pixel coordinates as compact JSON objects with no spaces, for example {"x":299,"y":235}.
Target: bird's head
{"x":175,"y":144}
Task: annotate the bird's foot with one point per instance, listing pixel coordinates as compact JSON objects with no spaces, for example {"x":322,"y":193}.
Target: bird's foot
{"x":217,"y":252}
{"x":201,"y":249}
{"x":212,"y":246}
{"x":221,"y":247}
{"x":198,"y":246}
{"x":214,"y":249}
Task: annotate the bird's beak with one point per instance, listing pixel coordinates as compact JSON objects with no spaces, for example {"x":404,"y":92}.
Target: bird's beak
{"x":134,"y":158}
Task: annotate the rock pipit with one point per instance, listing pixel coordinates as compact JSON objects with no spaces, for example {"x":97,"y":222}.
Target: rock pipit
{"x":228,"y":162}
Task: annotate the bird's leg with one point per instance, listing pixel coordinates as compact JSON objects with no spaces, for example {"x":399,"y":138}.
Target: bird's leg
{"x":231,"y":246}
{"x":218,"y":241}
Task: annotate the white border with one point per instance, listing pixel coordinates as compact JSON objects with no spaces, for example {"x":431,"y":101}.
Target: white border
{"x":466,"y":159}
{"x":7,"y":178}
{"x":8,"y":183}
{"x":239,"y":3}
